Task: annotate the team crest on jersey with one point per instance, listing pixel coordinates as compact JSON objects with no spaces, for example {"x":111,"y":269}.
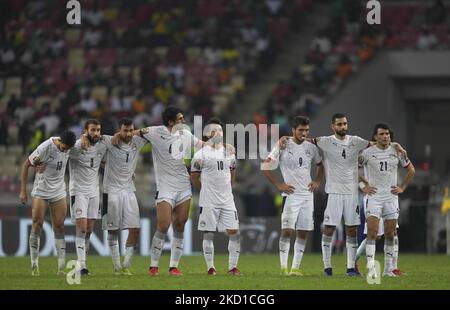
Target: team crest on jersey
{"x":361,"y":160}
{"x":197,"y":165}
{"x":36,"y":160}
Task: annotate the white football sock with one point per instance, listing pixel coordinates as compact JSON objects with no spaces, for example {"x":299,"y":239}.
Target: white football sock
{"x":177,"y":249}
{"x":285,"y":244}
{"x":157,"y":247}
{"x":299,"y":249}
{"x":326,"y":251}
{"x":352,"y":246}
{"x":34,"y":241}
{"x":361,"y":249}
{"x":113,"y":242}
{"x":60,"y":244}
{"x":80,"y":241}
{"x":234,"y":249}
{"x":208,"y":249}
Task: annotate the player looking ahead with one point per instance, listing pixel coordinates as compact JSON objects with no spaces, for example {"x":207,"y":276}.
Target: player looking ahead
{"x":216,"y":167}
{"x":296,"y":160}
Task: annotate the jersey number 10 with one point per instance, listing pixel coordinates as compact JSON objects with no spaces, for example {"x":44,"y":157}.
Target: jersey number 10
{"x":220,"y":165}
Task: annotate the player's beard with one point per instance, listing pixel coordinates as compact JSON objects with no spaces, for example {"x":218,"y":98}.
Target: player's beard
{"x":341,"y":133}
{"x":126,"y":139}
{"x":92,"y":140}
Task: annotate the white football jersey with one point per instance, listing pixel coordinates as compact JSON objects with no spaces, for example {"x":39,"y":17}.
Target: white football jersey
{"x":215,"y":166}
{"x":381,"y":169}
{"x":295,"y":162}
{"x":340,"y":158}
{"x":83,"y":168}
{"x":168,"y":157}
{"x":50,"y":183}
{"x":121,"y":161}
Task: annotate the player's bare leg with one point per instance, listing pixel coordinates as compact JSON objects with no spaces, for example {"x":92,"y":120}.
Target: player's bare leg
{"x":163,"y":219}
{"x":327,"y":237}
{"x":352,"y":246}
{"x":234,"y":249}
{"x":58,"y":210}
{"x":389,"y":230}
{"x":37,"y":214}
{"x":284,"y":247}
{"x":132,"y":240}
{"x":180,"y":217}
{"x":299,"y":249}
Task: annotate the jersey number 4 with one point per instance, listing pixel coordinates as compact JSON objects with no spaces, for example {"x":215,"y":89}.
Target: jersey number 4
{"x":58,"y":165}
{"x":343,"y":154}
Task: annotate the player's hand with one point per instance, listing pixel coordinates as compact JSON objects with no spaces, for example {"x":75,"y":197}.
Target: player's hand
{"x":283,"y":142}
{"x":40,"y":168}
{"x":115,"y":140}
{"x":286,"y":188}
{"x":84,"y":142}
{"x":23,"y":197}
{"x":396,"y":190}
{"x":313,"y":186}
{"x":370,"y":190}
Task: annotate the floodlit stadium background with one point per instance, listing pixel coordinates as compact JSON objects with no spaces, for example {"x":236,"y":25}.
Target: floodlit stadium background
{"x":245,"y":61}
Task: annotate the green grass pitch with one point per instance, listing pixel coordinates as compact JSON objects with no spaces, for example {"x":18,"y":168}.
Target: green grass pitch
{"x":259,"y":272}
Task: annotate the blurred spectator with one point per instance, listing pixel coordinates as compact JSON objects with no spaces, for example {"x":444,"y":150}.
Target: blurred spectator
{"x":92,"y":38}
{"x":121,"y":105}
{"x":87,"y":105}
{"x":321,"y":42}
{"x":426,"y":40}
{"x":365,"y":53}
{"x":12,"y":105}
{"x":50,"y":123}
{"x":345,"y":68}
{"x":56,"y":46}
{"x":4,"y":131}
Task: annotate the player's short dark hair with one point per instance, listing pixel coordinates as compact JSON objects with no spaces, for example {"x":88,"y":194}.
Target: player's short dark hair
{"x":336,"y":116}
{"x":299,"y":120}
{"x":170,"y":114}
{"x":125,"y":122}
{"x":381,"y":126}
{"x":214,"y":120}
{"x":68,"y":138}
{"x":91,"y":121}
